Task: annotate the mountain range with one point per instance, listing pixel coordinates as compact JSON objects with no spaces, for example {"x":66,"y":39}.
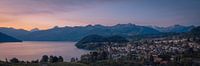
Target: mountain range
{"x":174,"y":28}
{"x":76,"y":33}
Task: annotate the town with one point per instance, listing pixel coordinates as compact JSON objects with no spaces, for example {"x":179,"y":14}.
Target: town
{"x":150,"y":52}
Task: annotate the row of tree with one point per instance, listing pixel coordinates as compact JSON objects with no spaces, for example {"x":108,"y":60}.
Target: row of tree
{"x":44,"y":59}
{"x":51,"y":59}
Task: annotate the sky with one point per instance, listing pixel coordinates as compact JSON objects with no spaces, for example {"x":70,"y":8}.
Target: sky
{"x":44,"y":14}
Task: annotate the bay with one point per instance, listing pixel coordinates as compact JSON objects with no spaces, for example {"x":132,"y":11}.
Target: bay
{"x":33,"y":50}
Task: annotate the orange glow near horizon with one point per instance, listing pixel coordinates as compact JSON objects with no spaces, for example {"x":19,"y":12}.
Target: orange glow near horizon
{"x":23,"y":26}
{"x":45,"y":21}
{"x":40,"y":21}
{"x":26,"y":23}
{"x":29,"y":26}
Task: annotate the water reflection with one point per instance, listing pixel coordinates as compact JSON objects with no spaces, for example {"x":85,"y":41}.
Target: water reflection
{"x":34,"y":50}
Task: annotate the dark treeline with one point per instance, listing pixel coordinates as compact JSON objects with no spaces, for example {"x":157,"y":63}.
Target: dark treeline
{"x":44,"y":59}
{"x":51,"y":59}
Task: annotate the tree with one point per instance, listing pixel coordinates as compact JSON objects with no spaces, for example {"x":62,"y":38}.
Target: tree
{"x":60,"y":59}
{"x":51,"y":59}
{"x":35,"y":61}
{"x":45,"y":58}
{"x":94,"y":56}
{"x":14,"y":60}
{"x":73,"y":59}
{"x":55,"y":59}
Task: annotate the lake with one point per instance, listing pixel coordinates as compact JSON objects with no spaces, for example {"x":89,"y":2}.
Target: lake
{"x":33,"y":50}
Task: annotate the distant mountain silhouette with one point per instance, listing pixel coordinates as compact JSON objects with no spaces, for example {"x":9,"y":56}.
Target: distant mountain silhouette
{"x":76,"y":33}
{"x":195,"y":32}
{"x":35,"y":29}
{"x":6,"y":38}
{"x":175,"y":28}
{"x":17,"y":33}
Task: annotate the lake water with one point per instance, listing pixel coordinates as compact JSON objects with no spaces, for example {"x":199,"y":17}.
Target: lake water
{"x":35,"y":50}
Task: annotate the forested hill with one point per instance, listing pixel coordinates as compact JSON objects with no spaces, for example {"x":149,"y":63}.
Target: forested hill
{"x":92,"y":42}
{"x":6,"y":38}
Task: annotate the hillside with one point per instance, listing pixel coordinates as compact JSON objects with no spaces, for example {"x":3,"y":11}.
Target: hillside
{"x":195,"y":32}
{"x":92,"y":42}
{"x":6,"y":38}
{"x":17,"y":33}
